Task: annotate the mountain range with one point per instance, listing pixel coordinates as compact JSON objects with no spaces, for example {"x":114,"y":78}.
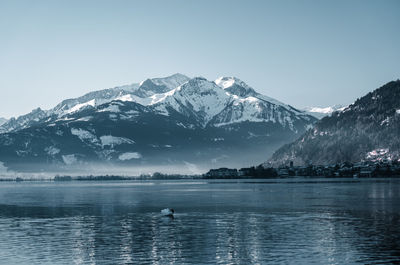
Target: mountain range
{"x":187,"y":123}
{"x":367,"y":130}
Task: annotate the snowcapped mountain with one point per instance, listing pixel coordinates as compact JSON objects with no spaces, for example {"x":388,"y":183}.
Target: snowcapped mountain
{"x":172,"y":120}
{"x":35,"y":116}
{"x":237,"y":87}
{"x":368,"y":129}
{"x":146,"y":88}
{"x":320,"y":112}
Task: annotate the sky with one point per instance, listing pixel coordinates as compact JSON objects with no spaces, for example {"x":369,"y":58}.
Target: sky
{"x":303,"y":53}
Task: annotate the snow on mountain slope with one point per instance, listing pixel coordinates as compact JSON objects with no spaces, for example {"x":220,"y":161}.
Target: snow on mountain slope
{"x":319,"y":112}
{"x":93,"y":99}
{"x":23,"y":121}
{"x":228,"y":83}
{"x":133,"y":92}
{"x":211,"y":105}
{"x":254,"y":110}
{"x":145,"y":89}
{"x":153,"y":86}
{"x":198,"y":97}
{"x":109,"y":140}
{"x":172,"y":81}
{"x":225,"y":101}
{"x":77,"y":107}
{"x":197,"y":122}
{"x":239,"y":88}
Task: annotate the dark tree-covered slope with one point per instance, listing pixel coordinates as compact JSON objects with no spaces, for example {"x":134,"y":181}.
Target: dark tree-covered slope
{"x":368,"y":129}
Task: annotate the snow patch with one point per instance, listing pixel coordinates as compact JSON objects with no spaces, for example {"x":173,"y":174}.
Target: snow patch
{"x":320,"y":112}
{"x":84,"y":135}
{"x":51,"y":150}
{"x":250,"y":99}
{"x":21,"y":152}
{"x":65,"y":119}
{"x":82,"y":105}
{"x":69,"y":159}
{"x":326,"y":110}
{"x":133,"y":98}
{"x":109,"y":140}
{"x":129,"y":156}
{"x":111,"y":108}
{"x":385,"y":121}
{"x":132,"y":112}
{"x":87,"y":118}
{"x":105,"y":154}
{"x":224,"y":82}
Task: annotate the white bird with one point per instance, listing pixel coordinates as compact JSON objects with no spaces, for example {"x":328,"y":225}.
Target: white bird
{"x":168,"y":212}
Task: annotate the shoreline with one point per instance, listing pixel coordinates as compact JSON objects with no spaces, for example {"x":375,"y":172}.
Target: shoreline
{"x":290,"y":180}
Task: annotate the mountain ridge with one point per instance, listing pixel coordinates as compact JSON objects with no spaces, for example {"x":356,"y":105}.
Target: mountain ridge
{"x":197,"y":122}
{"x":366,"y":130}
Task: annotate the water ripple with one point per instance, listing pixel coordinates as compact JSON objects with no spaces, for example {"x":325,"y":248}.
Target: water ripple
{"x":225,"y":223}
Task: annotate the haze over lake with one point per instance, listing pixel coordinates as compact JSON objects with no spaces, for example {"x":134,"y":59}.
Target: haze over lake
{"x":342,"y":221}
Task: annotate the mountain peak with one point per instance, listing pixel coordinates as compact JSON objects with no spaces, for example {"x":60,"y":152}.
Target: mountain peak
{"x":172,"y":81}
{"x":235,"y":86}
{"x":147,"y":83}
{"x":178,"y":76}
{"x":153,"y":86}
{"x":206,"y":98}
{"x":200,"y":85}
{"x":228,"y":81}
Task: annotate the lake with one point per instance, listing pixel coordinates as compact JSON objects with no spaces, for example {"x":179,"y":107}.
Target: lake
{"x":311,"y":221}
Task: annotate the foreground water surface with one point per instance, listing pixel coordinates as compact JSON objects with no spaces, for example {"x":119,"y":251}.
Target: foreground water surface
{"x":227,"y":222}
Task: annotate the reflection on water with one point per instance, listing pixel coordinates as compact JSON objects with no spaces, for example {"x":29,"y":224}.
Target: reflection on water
{"x":228,"y":223}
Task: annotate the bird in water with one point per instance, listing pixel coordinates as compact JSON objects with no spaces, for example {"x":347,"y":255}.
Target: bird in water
{"x":168,"y":212}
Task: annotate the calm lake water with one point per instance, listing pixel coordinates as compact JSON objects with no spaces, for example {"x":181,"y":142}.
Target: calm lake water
{"x":226,"y":222}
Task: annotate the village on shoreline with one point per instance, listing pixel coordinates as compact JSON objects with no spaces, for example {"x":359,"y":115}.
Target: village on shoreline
{"x":366,"y":169}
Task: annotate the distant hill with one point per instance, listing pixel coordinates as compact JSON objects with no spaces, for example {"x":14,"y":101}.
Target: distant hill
{"x":320,"y":112}
{"x":368,"y":129}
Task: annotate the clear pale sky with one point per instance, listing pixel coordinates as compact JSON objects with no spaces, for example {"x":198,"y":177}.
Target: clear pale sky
{"x":304,"y":53}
